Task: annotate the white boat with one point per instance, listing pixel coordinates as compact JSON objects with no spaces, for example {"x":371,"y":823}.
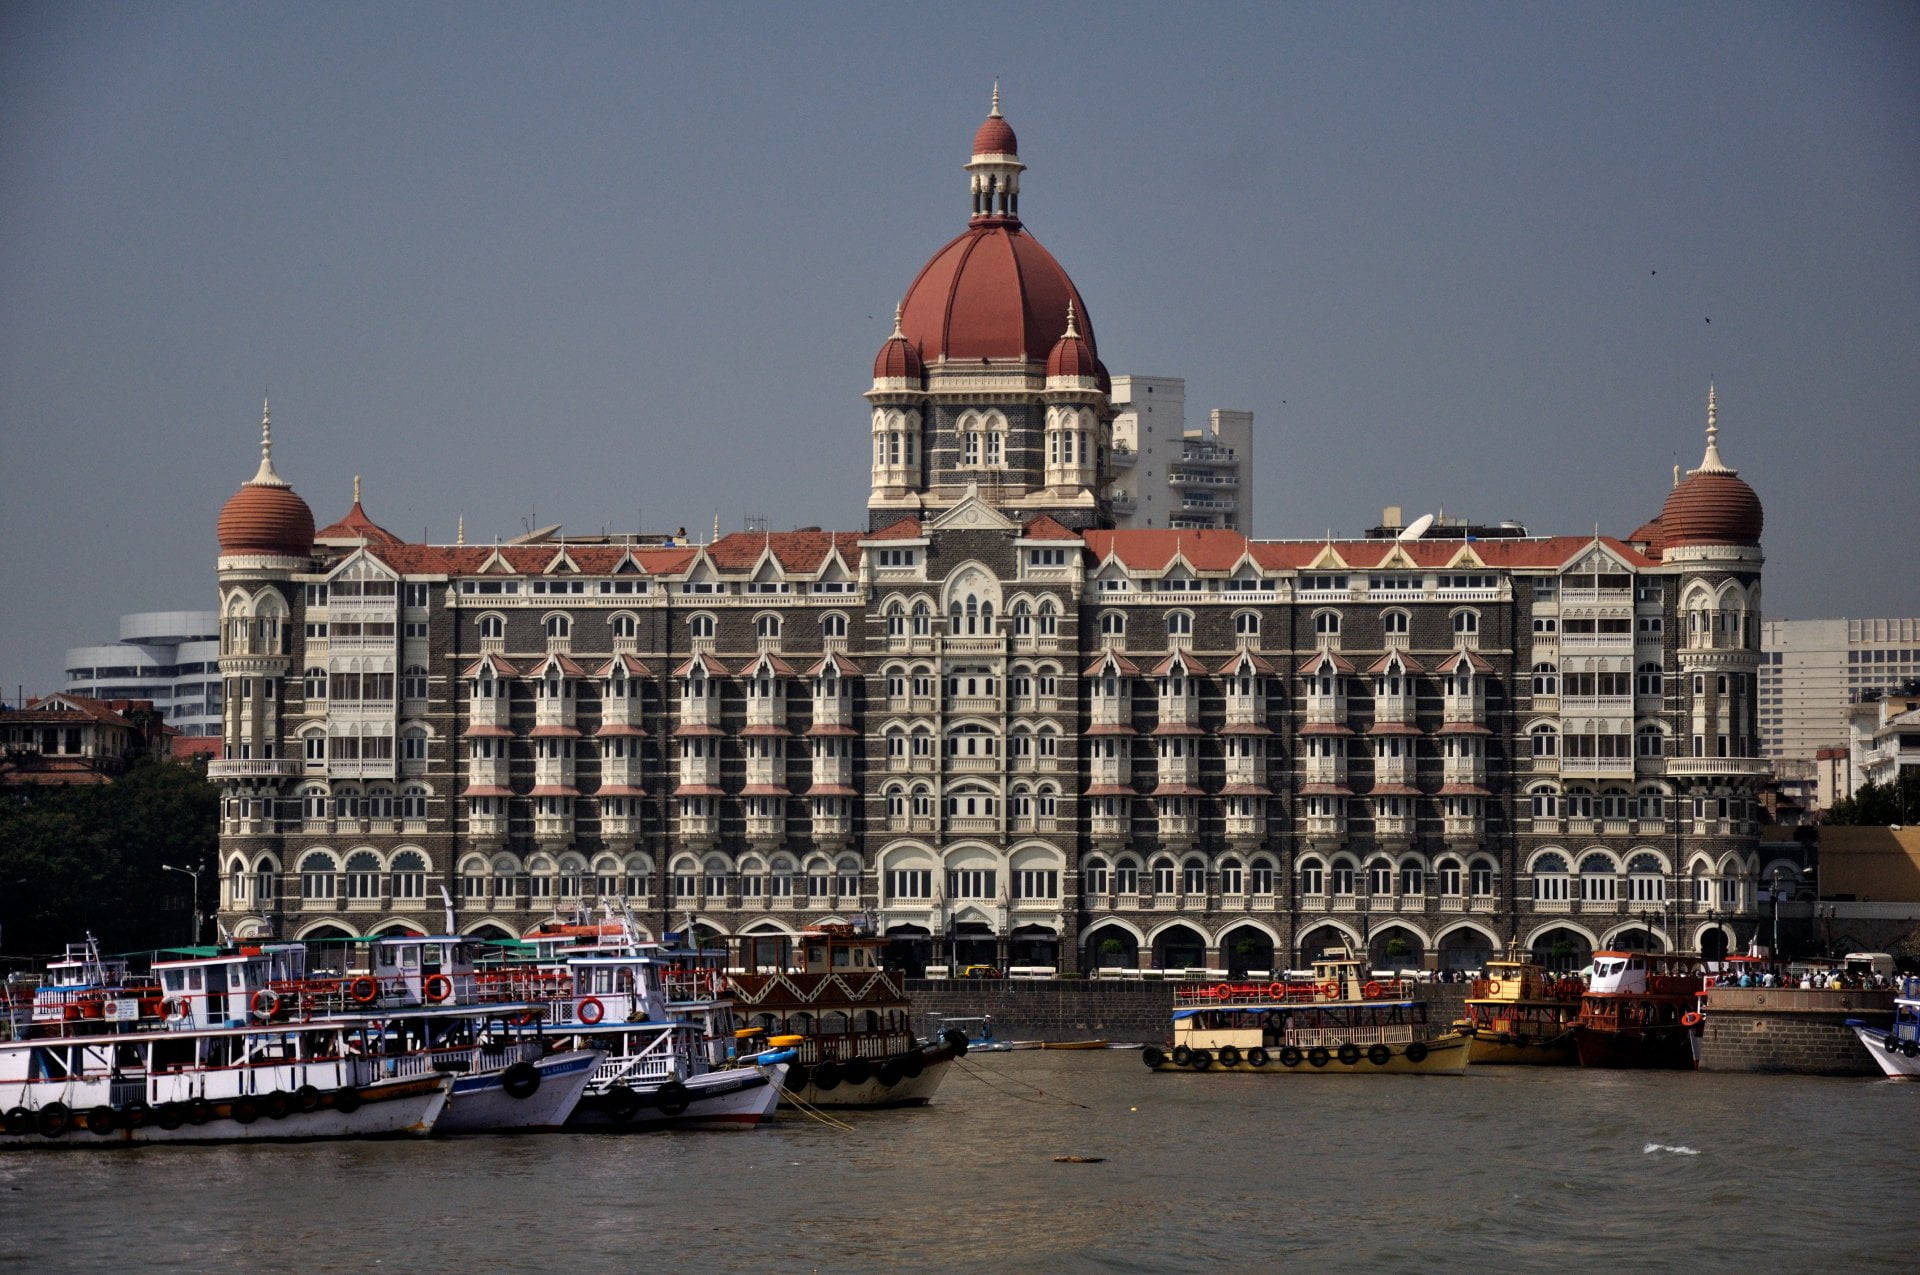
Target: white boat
{"x":1896,"y":1047}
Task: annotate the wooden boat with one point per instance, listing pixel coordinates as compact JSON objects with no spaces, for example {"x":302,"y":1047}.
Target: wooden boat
{"x":848,"y":1019}
{"x":1339,"y":1022}
{"x":1641,"y":1010}
{"x":1073,"y":1044}
{"x":1520,"y":1015}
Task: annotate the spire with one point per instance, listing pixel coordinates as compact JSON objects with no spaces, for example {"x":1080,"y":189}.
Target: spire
{"x":898,"y":334}
{"x":265,"y":476}
{"x":460,"y":535}
{"x":1071,"y":332}
{"x":356,"y":489}
{"x":994,"y":112}
{"x":1676,"y":475}
{"x":1710,"y":463}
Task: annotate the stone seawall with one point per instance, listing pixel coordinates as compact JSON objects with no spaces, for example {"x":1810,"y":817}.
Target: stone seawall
{"x":1794,"y":1030}
{"x":1074,"y":1009}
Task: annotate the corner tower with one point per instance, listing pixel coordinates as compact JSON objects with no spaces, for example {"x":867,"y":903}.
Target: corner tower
{"x":991,"y":368}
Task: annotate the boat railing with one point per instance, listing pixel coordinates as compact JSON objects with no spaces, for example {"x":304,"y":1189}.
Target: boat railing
{"x":842,"y":1048}
{"x":1289,"y":992}
{"x":647,"y":1068}
{"x":1333,"y":1037}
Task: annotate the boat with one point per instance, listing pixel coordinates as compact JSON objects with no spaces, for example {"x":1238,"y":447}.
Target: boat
{"x":1073,"y":1044}
{"x":1896,"y":1047}
{"x":1341,"y":1021}
{"x":1641,"y":1010}
{"x":847,"y":1018}
{"x":1521,"y":1015}
{"x":976,"y":1031}
{"x":207,"y":1071}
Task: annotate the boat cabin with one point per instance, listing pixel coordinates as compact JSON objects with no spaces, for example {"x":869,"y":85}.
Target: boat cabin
{"x":1637,"y":973}
{"x":227,"y":987}
{"x":838,"y":949}
{"x":413,"y":969}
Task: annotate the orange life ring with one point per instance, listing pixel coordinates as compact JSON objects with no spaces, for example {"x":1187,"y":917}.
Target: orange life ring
{"x":1690,"y":1019}
{"x":364,"y":990}
{"x":266,"y":1002}
{"x":436,"y":987}
{"x":590,"y":1010}
{"x":1371,"y":990}
{"x":1278,"y":991}
{"x":1493,"y":987}
{"x":1330,"y":989}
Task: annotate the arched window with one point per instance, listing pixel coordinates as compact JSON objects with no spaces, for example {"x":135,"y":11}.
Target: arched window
{"x":1232,"y":878}
{"x":1647,"y":680}
{"x":1163,"y":874}
{"x":413,"y":802}
{"x":1544,"y":801}
{"x":1179,"y":624}
{"x":1466,"y":623}
{"x":700,"y":626}
{"x":316,"y":875}
{"x":1379,"y":877}
{"x":1413,"y":878}
{"x":1312,"y":877}
{"x":409,"y":875}
{"x":1394,"y":623}
{"x":493,"y":626}
{"x":316,"y":679}
{"x":1343,"y":876}
{"x":896,"y":619}
{"x":1597,"y":879}
{"x":1022,"y":619}
{"x":1094,"y":878}
{"x":1326,"y":623}
{"x":1546,"y":740}
{"x":1546,"y":679}
{"x":1449,"y":874}
{"x":363,"y":875}
{"x":1480,"y":875}
{"x":1193,"y":877}
{"x":1550,"y":878}
{"x":1646,"y":880}
{"x":1246,"y":624}
{"x":623,"y":625}
{"x":833,"y":625}
{"x":766,"y":626}
{"x":1047,"y":620}
{"x":559,"y":626}
{"x":1113,"y":624}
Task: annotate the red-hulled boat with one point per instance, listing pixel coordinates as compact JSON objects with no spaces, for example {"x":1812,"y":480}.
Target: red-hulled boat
{"x":1641,"y":1009}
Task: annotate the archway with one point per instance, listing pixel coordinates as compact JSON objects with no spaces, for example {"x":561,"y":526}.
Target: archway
{"x":1562,"y":950}
{"x":1396,"y":947}
{"x":1180,"y":947}
{"x":1465,"y":949}
{"x":1112,"y":947}
{"x":1321,"y":939}
{"x":1245,"y":949}
{"x":1713,"y":943}
{"x":330,"y":949}
{"x":909,"y":948}
{"x":1035,"y":945}
{"x":1636,"y":938}
{"x":490,"y":930}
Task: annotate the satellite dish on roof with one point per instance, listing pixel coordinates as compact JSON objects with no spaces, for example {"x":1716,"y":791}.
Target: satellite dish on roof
{"x":1417,"y":528}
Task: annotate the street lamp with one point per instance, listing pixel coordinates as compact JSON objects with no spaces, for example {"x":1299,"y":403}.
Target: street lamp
{"x":194,"y":873}
{"x":1366,"y":928}
{"x":1778,"y":876}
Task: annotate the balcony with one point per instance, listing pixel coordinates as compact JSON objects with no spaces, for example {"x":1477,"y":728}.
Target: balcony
{"x":766,"y":828}
{"x":487,"y":825}
{"x":976,"y":645}
{"x":969,"y":704}
{"x":1243,"y":826}
{"x":1470,"y":827}
{"x":619,"y":825}
{"x":1109,"y":827}
{"x":270,"y":768}
{"x":488,"y":710}
{"x":554,"y":711}
{"x":1122,"y":502}
{"x":1123,"y":457}
{"x":959,"y":825}
{"x":1396,"y":826}
{"x":1752,"y":766}
{"x":553,"y":828}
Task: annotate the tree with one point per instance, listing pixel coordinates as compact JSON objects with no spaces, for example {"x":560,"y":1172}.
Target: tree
{"x":1878,"y":805}
{"x":80,"y":859}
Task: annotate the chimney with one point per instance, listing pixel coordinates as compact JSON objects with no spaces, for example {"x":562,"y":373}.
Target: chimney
{"x":1390,"y":516}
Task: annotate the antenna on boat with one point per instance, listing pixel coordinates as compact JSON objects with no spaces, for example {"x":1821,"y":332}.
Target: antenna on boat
{"x":446,"y":902}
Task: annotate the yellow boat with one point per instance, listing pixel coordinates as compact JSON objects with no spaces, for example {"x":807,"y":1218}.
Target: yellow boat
{"x":1521,"y":1015}
{"x":1341,"y":1022}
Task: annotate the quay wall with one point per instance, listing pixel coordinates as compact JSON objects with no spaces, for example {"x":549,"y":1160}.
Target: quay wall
{"x":1795,"y":1030}
{"x":1079,"y":1009}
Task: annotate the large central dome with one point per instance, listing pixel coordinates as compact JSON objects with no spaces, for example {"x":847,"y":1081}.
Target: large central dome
{"x":993,"y":292}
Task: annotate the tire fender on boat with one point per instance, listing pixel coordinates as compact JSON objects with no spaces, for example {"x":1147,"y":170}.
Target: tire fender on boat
{"x":1290,"y":1056}
{"x":1379,"y":1055}
{"x":521,"y":1081}
{"x":1256,"y":1057}
{"x":1349,"y":1053}
{"x":1152,"y":1056}
{"x":1417,"y":1052}
{"x":672,"y":1098}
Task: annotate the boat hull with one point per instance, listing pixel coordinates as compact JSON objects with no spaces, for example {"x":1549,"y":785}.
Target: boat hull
{"x":1896,"y":1063}
{"x":1498,"y":1049}
{"x":1648,"y":1049}
{"x":480,"y":1103}
{"x":736,"y":1098}
{"x":1445,"y":1056}
{"x":907,"y":1091}
{"x":388,"y":1109}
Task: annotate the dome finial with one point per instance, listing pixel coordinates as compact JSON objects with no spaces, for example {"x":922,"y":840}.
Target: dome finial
{"x":265,"y":475}
{"x":1710,"y":463}
{"x":460,"y":533}
{"x":898,"y":335}
{"x":1071,"y":331}
{"x":995,"y":112}
{"x":356,"y":489}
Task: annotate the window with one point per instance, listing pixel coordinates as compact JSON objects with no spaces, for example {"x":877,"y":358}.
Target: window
{"x":1246,"y":624}
{"x":1394,"y":623}
{"x":409,"y":875}
{"x":1647,"y":680}
{"x":1550,"y":878}
{"x":834,"y":625}
{"x":1546,"y":740}
{"x":1094,"y":877}
{"x":1342,"y":875}
{"x":1163,"y":876}
{"x":413,"y":746}
{"x":316,"y":683}
{"x":1466,"y":623}
{"x":1326,"y":623}
{"x":316,"y":877}
{"x":1480,"y":879}
{"x":766,"y":626}
{"x":1546,"y":624}
{"x":1113,"y":624}
{"x":1597,"y":879}
{"x":1312,"y":878}
{"x":700,"y":626}
{"x":1036,"y":883}
{"x":363,"y":875}
{"x":910,"y":883}
{"x":1193,"y":877}
{"x":1544,"y":802}
{"x":1126,"y":878}
{"x":1449,"y":873}
{"x":1546,"y":679}
{"x":1413,"y":880}
{"x":623,"y":625}
{"x":413,"y":683}
{"x":493,"y":626}
{"x":1232,"y":879}
{"x":972,"y":883}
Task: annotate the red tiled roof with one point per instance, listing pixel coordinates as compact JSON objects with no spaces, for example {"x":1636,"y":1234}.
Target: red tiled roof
{"x":554,"y":790}
{"x":834,"y":659}
{"x":765,"y":730}
{"x":1464,"y":790}
{"x":1325,"y":790}
{"x":702,"y":660}
{"x":699,"y":790}
{"x":554,"y":732}
{"x":1478,"y":663}
{"x":487,"y":732}
{"x":1313,"y":662}
{"x":1176,"y":728}
{"x":1120,"y":662}
{"x":501,"y":666}
{"x":1110,"y":790}
{"x":822,"y":729}
{"x":995,"y":137}
{"x":1462,"y":728}
{"x":905,"y":529}
{"x":1325,"y":728}
{"x":1046,"y":527}
{"x":1178,"y":790}
{"x":765,"y":790}
{"x":486,"y":790}
{"x":1394,"y":790}
{"x":1110,"y":728}
{"x":695,"y":730}
{"x":1393,"y":728}
{"x":832,"y":790}
{"x":619,"y":790}
{"x":265,"y":518}
{"x":612,"y":729}
{"x":633,"y":664}
{"x":1407,"y":662}
{"x":1149,"y":549}
{"x":992,"y":292}
{"x":1260,"y":663}
{"x":357,"y":526}
{"x":802,"y":551}
{"x":1246,"y":790}
{"x":768,"y":660}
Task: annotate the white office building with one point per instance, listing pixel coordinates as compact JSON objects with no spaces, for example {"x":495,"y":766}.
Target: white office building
{"x":169,"y":657}
{"x":1812,"y":670}
{"x":1170,"y":476}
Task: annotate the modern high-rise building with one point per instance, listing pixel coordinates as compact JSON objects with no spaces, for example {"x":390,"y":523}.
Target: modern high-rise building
{"x":1166,"y":475}
{"x":993,"y":721}
{"x":1812,"y":670}
{"x":169,"y":657}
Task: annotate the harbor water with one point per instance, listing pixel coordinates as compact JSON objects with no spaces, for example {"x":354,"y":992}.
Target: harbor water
{"x":1506,"y":1169}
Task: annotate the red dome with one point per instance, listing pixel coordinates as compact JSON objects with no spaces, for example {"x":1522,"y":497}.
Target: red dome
{"x":1711,"y":507}
{"x":991,"y":293}
{"x":357,"y":526}
{"x":897,"y":362}
{"x":1072,"y":358}
{"x":995,"y":137}
{"x":266,"y":518}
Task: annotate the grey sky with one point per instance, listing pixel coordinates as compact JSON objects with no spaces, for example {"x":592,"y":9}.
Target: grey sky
{"x":614,"y":263}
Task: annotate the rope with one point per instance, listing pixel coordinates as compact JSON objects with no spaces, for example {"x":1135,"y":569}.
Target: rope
{"x":814,"y":1113}
{"x":980,"y":1076}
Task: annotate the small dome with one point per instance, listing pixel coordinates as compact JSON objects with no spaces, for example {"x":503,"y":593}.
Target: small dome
{"x":1712,"y":508}
{"x":995,"y":137}
{"x":1648,"y":534}
{"x":265,"y":515}
{"x":266,"y":518}
{"x":357,"y":526}
{"x":1072,"y":357}
{"x":898,"y":360}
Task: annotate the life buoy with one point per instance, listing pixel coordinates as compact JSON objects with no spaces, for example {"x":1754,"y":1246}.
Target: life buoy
{"x":436,"y":988}
{"x":347,"y":1101}
{"x":1319,"y":1056}
{"x":1417,"y":1052}
{"x":1330,"y":989}
{"x":1200,"y":1060}
{"x":520,"y":1081}
{"x":1256,"y":1057}
{"x":1289,"y":1056}
{"x":364,"y":990}
{"x":266,"y":1003}
{"x":1379,"y":1055}
{"x":1371,"y":990}
{"x":1493,"y":987}
{"x":170,"y":1115}
{"x":177,"y":1008}
{"x":672,"y":1097}
{"x":590,"y":1010}
{"x":1278,"y":991}
{"x":1229,"y":1056}
{"x":136,"y":1113}
{"x":1151,"y":1056}
{"x":858,"y":1071}
{"x":277,"y":1105}
{"x":1349,"y":1053}
{"x":1690,"y":1019}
